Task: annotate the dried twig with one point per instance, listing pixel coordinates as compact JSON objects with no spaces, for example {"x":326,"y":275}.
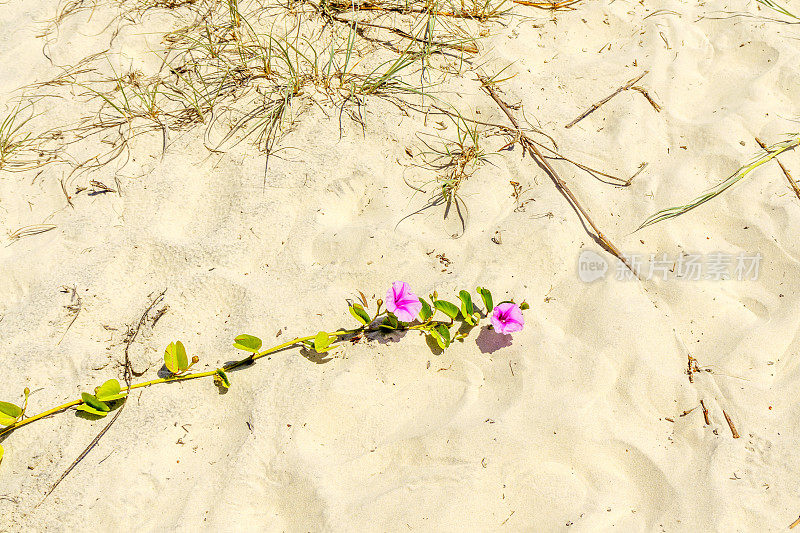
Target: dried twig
{"x":596,"y":106}
{"x":692,"y":368}
{"x":100,"y":187}
{"x":463,"y":47}
{"x":705,"y":413}
{"x":127,"y":376}
{"x":552,"y":6}
{"x":786,"y":173}
{"x":530,"y":146}
{"x":349,"y":8}
{"x":66,"y":194}
{"x":83,"y":454}
{"x":133,"y":333}
{"x":730,"y":425}
{"x":75,"y":306}
{"x":644,"y":93}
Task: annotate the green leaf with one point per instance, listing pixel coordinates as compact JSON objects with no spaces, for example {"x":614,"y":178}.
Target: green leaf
{"x":466,"y":304}
{"x":175,"y":357}
{"x":91,"y":410}
{"x":221,"y":378}
{"x":248,"y":343}
{"x":1,"y":454}
{"x":357,"y":310}
{"x":426,"y":312}
{"x":523,"y":306}
{"x":486,"y":296}
{"x":93,"y":402}
{"x":180,"y":351}
{"x":109,"y":391}
{"x":322,"y":341}
{"x":447,"y":308}
{"x":442,"y":336}
{"x":445,"y":333}
{"x":9,"y":413}
{"x":438,"y":339}
{"x":390,"y":322}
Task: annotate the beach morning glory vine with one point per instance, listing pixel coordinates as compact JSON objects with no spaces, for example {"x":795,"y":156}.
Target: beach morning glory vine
{"x":403,"y":311}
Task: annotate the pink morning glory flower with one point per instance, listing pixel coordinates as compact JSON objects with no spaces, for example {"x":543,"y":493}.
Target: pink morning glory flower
{"x":402,"y":302}
{"x":507,"y":318}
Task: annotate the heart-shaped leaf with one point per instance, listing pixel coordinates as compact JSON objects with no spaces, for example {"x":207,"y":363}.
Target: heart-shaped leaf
{"x":94,"y":403}
{"x":445,"y":333}
{"x":486,"y":296}
{"x":358,"y":311}
{"x":426,"y":312}
{"x":321,"y":342}
{"x":175,"y":357}
{"x":442,"y":336}
{"x":390,"y":322}
{"x":221,"y":379}
{"x":447,"y":308}
{"x":91,"y":410}
{"x":248,"y":343}
{"x":109,"y":391}
{"x":466,"y":304}
{"x":9,"y":413}
{"x":438,"y":338}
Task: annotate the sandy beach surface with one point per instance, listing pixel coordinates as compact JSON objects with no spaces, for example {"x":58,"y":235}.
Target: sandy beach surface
{"x":590,"y":419}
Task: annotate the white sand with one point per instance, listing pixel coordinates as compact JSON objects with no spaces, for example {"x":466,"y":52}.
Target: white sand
{"x":564,"y":429}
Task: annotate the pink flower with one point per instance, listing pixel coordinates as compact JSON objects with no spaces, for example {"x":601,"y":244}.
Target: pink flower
{"x":507,"y":318}
{"x":402,"y":302}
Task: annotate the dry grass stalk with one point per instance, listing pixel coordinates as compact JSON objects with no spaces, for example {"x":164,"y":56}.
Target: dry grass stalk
{"x":730,"y":425}
{"x":792,"y":182}
{"x":28,"y":231}
{"x":534,"y":152}
{"x":596,"y":106}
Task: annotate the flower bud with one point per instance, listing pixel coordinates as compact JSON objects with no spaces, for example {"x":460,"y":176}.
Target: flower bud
{"x":379,"y":302}
{"x":195,"y":359}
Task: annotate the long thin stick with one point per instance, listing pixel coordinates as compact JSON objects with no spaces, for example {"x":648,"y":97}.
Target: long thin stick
{"x":647,"y":96}
{"x":786,"y":173}
{"x":705,"y":413}
{"x":553,"y":6}
{"x":596,"y":106}
{"x":730,"y":425}
{"x":561,"y":185}
{"x":128,"y":374}
{"x":464,"y":47}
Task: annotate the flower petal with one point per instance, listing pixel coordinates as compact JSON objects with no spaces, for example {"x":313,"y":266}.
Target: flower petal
{"x":507,"y":318}
{"x":403,"y":303}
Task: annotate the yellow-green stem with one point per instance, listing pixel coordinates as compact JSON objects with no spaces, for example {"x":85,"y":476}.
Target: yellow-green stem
{"x":209,"y":373}
{"x":229,"y":366}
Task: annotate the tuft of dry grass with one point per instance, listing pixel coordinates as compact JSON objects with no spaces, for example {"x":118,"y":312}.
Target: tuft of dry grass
{"x":243,"y":70}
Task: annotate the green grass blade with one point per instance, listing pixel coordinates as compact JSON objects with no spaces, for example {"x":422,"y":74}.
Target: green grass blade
{"x":771,"y":153}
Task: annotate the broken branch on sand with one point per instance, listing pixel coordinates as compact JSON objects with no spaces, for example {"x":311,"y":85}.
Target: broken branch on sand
{"x":561,"y":185}
{"x":596,"y":106}
{"x":730,"y":425}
